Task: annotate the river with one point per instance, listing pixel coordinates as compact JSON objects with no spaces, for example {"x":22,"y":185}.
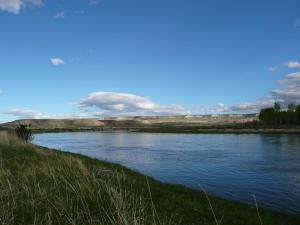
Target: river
{"x":234,"y":166}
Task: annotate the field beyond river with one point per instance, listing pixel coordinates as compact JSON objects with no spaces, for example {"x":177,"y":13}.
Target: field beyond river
{"x":45,"y":186}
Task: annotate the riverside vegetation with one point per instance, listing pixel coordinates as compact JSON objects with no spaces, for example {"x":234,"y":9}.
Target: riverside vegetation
{"x":43,"y":186}
{"x":276,"y":116}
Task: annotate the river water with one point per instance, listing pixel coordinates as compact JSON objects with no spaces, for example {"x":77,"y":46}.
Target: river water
{"x":234,"y":166}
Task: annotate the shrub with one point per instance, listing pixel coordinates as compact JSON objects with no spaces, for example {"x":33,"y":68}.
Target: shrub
{"x":24,"y":132}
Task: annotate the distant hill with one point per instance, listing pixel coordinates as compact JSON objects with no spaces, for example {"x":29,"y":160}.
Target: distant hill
{"x":185,"y":120}
{"x":133,"y":122}
{"x":50,"y":124}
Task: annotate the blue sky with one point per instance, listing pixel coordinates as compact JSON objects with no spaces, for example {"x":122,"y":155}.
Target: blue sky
{"x":83,"y":58}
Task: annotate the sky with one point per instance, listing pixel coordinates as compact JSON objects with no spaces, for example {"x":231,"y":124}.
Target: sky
{"x":95,"y":58}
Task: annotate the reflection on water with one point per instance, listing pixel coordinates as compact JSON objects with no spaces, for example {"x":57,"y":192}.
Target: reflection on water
{"x":228,"y":165}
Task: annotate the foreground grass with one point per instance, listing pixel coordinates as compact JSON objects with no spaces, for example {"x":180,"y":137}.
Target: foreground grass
{"x":41,"y":186}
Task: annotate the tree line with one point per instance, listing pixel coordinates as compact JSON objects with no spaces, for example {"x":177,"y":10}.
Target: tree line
{"x":277,"y":116}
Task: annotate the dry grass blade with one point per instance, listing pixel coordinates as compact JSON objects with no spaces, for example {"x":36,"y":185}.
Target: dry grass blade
{"x":210,"y":205}
{"x":257,"y":211}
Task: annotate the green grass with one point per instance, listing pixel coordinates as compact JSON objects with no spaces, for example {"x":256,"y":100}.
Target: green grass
{"x":41,"y":186}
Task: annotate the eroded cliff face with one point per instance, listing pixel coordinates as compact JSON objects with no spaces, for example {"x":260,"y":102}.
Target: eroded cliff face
{"x":188,"y":119}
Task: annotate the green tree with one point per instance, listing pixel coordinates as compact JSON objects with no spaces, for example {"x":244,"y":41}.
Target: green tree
{"x":267,"y":115}
{"x":277,"y":107}
{"x":24,"y":132}
{"x":277,"y":116}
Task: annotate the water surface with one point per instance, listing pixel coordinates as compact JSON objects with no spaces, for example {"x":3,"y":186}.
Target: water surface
{"x":229,"y":165}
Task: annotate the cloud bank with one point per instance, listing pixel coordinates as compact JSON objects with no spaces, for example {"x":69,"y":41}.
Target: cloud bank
{"x":114,"y":103}
{"x":24,"y":114}
{"x":15,"y":6}
{"x":33,"y":114}
{"x":122,"y":104}
{"x":287,"y":92}
{"x":290,"y":89}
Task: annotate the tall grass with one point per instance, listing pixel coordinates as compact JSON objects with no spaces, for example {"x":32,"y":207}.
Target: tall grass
{"x":8,"y":138}
{"x":42,"y":187}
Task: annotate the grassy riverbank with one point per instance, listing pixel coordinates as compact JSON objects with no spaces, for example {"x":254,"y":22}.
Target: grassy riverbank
{"x":42,"y":186}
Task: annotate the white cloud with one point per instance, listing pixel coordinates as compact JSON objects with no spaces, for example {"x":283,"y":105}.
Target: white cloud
{"x":251,"y":107}
{"x":292,"y":78}
{"x":287,"y":92}
{"x":33,"y":114}
{"x":57,"y":61}
{"x":293,"y":64}
{"x":243,"y":107}
{"x":15,"y":6}
{"x":24,"y":113}
{"x":59,"y":15}
{"x":114,"y":103}
{"x":221,"y":107}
